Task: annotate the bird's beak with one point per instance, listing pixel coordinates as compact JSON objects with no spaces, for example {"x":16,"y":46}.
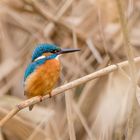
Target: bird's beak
{"x":68,"y":50}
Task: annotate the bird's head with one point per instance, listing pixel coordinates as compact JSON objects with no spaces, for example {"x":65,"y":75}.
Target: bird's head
{"x":50,"y":51}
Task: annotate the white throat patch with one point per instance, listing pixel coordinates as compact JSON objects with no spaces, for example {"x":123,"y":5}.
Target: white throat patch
{"x":57,"y":57}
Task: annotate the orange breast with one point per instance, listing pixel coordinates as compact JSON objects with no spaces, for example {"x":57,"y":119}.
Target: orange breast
{"x":43,"y":80}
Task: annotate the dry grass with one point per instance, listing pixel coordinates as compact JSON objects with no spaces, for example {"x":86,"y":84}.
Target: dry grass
{"x":102,"y":109}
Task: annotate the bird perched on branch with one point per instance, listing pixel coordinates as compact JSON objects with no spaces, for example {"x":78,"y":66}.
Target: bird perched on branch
{"x":43,"y":72}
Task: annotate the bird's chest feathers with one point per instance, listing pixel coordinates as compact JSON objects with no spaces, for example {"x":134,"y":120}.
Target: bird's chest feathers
{"x":49,"y":69}
{"x":43,"y":79}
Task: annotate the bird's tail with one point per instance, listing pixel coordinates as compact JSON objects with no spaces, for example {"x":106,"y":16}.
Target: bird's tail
{"x":31,"y":107}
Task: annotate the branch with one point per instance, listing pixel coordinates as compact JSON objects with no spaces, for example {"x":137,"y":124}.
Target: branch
{"x":63,"y":88}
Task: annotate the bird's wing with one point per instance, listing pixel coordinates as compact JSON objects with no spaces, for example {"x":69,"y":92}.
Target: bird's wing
{"x":33,"y":66}
{"x":30,"y":68}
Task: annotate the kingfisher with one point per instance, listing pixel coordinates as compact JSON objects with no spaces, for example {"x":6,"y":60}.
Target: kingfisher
{"x":43,"y":72}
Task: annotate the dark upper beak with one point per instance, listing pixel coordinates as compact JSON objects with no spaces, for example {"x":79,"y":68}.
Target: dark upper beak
{"x":68,"y":50}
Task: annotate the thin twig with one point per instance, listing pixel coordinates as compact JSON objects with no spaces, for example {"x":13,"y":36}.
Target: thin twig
{"x":63,"y":88}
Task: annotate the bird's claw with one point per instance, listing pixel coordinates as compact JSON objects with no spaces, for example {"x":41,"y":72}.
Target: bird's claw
{"x":41,"y":98}
{"x":50,"y":95}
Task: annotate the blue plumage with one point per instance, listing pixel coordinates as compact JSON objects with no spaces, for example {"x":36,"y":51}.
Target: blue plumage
{"x":41,"y":75}
{"x":30,"y":68}
{"x":38,"y":51}
{"x":43,"y":48}
{"x":34,"y":65}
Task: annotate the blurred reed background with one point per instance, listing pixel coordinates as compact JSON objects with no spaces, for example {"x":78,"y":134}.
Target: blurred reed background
{"x":97,"y":110}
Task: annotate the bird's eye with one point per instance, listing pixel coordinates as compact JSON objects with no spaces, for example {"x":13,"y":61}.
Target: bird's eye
{"x":55,"y":51}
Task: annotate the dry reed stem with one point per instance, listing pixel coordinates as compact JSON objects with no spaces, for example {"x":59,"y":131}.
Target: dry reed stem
{"x":101,"y":31}
{"x":83,"y":121}
{"x":1,"y":135}
{"x":57,"y":19}
{"x":130,"y":56}
{"x":36,"y":130}
{"x":70,"y":116}
{"x":63,"y":88}
{"x":55,"y":129}
{"x":64,"y":8}
{"x":50,"y":26}
{"x":94,"y":51}
{"x":21,"y":121}
{"x":127,"y":45}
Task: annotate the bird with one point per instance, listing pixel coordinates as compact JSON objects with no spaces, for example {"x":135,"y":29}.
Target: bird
{"x":43,"y":72}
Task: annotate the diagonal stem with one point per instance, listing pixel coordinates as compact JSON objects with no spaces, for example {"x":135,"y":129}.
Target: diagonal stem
{"x":63,"y":88}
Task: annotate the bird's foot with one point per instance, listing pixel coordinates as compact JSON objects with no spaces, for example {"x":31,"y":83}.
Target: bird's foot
{"x":25,"y":93}
{"x":50,"y":95}
{"x":41,"y":98}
